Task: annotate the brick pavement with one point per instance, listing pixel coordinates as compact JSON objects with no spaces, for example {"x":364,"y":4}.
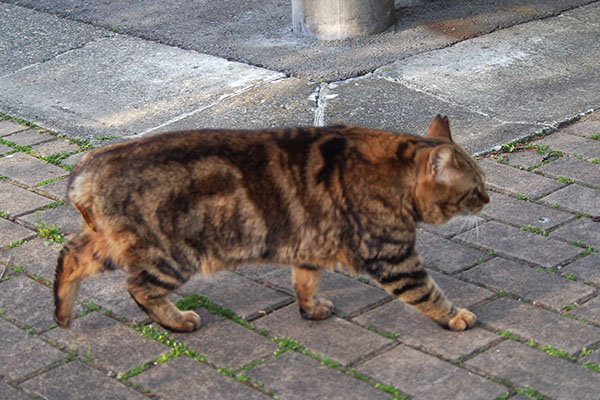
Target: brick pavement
{"x":530,"y":270}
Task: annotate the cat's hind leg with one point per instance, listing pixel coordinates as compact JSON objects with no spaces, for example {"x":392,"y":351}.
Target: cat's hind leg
{"x":77,"y":260}
{"x":306,"y":280}
{"x":411,"y":283}
{"x":150,"y":287}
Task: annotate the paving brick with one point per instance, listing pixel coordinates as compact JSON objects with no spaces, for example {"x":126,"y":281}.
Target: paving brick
{"x":522,"y":212}
{"x":172,"y":380}
{"x":461,"y":293}
{"x":57,"y":188}
{"x":5,"y":149}
{"x":23,"y":353}
{"x":570,"y":167}
{"x":339,"y":339}
{"x":586,"y":268}
{"x":256,"y":272}
{"x":65,"y":217}
{"x":593,"y":358}
{"x":243,"y":296}
{"x":29,"y":170}
{"x":9,"y":127}
{"x":550,"y":290}
{"x":74,"y":159}
{"x":226,"y":343}
{"x":523,"y":158}
{"x":54,"y":147}
{"x":109,"y":343}
{"x":446,"y":255}
{"x":528,"y":367}
{"x":456,"y":225}
{"x":583,"y":229}
{"x":35,"y":256}
{"x":530,"y":322}
{"x":349,"y":296}
{"x":78,"y":381}
{"x":590,"y":310}
{"x":586,"y":127}
{"x":416,"y":329}
{"x":109,"y":291}
{"x":513,"y":242}
{"x":511,"y":180}
{"x":10,"y":393}
{"x":16,"y":201}
{"x":572,"y":145}
{"x":408,"y":369}
{"x":294,"y":376}
{"x":28,"y":137}
{"x":16,"y":299}
{"x":576,"y":198}
{"x":11,"y":232}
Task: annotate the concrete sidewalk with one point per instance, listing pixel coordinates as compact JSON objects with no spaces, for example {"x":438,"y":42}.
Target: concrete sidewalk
{"x":88,"y":73}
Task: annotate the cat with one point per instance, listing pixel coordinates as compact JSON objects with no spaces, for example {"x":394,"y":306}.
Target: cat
{"x":171,"y":205}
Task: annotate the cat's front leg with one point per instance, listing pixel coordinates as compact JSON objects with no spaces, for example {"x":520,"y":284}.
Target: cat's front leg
{"x":306,"y":280}
{"x":405,"y":278}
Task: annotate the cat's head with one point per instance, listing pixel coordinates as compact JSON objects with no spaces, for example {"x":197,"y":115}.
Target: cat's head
{"x":449,"y":181}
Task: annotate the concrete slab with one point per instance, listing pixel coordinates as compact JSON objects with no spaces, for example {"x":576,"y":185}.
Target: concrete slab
{"x":494,"y":73}
{"x":123,"y":86}
{"x":38,"y":36}
{"x":290,"y":374}
{"x":380,"y":104}
{"x":529,"y":368}
{"x":405,"y":367}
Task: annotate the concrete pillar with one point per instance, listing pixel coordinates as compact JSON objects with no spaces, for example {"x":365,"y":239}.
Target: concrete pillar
{"x":340,"y":19}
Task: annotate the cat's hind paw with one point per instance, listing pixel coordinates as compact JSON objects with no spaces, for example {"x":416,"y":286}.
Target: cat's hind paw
{"x":464,"y":319}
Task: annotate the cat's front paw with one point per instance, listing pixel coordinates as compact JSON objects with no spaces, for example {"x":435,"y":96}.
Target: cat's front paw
{"x":321,"y":310}
{"x":464,"y":319}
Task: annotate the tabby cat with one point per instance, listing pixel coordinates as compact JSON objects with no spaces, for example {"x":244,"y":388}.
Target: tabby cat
{"x":168,"y":206}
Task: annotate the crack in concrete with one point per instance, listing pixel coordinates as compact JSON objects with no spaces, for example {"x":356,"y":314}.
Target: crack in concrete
{"x":320,"y":97}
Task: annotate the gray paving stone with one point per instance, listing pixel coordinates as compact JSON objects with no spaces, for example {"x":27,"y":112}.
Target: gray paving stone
{"x":527,"y":246}
{"x":586,"y":268}
{"x":10,"y":393}
{"x":583,"y":229}
{"x":461,"y":293}
{"x":570,"y":167}
{"x":64,"y":217}
{"x":339,"y":339}
{"x":29,"y":170}
{"x":345,"y":103}
{"x":137,"y":93}
{"x":407,"y":368}
{"x":572,"y":145}
{"x":57,"y":188}
{"x":78,"y":381}
{"x":590,"y":310}
{"x":5,"y":149}
{"x":109,"y":291}
{"x":16,"y":299}
{"x":28,"y":137}
{"x":226,"y":343}
{"x":456,"y":225}
{"x":550,"y":290}
{"x":349,"y":296}
{"x":54,"y":147}
{"x":23,"y":353}
{"x":37,"y":257}
{"x":12,"y":233}
{"x":523,"y":158}
{"x":290,"y":374}
{"x":522,"y":212}
{"x":109,"y":343}
{"x":514,"y":181}
{"x":543,"y":326}
{"x":416,"y":329}
{"x":16,"y":201}
{"x":285,"y":102}
{"x":256,"y":272}
{"x":576,"y":198}
{"x":528,"y":367}
{"x":9,"y":127}
{"x":74,"y":159}
{"x":593,"y":358}
{"x":173,"y":380}
{"x":446,"y":255}
{"x":243,"y":296}
{"x":586,"y":127}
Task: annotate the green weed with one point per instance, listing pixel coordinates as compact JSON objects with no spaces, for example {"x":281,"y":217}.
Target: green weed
{"x":522,"y":196}
{"x":51,"y":233}
{"x":194,"y":301}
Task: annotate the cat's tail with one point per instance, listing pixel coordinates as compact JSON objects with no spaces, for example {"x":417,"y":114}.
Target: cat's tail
{"x":78,"y":259}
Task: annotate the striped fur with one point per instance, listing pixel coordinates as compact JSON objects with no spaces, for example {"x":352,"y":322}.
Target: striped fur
{"x":169,"y":206}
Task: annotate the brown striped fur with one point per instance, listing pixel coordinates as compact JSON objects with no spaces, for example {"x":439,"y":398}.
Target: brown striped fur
{"x":169,"y":206}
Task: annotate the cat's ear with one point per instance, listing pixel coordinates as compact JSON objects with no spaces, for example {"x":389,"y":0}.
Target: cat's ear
{"x":440,"y":128}
{"x":441,"y":163}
